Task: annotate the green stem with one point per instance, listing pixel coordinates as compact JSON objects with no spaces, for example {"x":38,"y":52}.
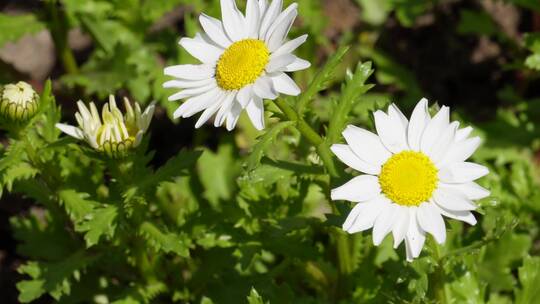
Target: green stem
{"x":59,"y":26}
{"x":438,"y":277}
{"x":313,"y":137}
{"x":345,"y":263}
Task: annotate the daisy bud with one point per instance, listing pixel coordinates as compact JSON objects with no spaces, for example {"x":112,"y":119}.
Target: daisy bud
{"x":113,"y":133}
{"x":18,"y":102}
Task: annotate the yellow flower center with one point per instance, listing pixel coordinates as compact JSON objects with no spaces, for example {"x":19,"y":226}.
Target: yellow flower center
{"x":408,"y":178}
{"x":241,"y":64}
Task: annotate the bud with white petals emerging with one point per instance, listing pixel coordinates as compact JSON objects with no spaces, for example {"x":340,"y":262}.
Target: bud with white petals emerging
{"x":18,"y":102}
{"x":113,"y":133}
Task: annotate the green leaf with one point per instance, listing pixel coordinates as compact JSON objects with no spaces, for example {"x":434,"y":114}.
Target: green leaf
{"x":533,"y":62}
{"x":322,"y":79}
{"x":166,"y":242}
{"x":100,"y":222}
{"x":76,"y":204}
{"x":351,"y":92}
{"x":13,"y":28}
{"x":218,"y":173}
{"x":52,"y":278}
{"x":254,"y":297}
{"x":495,"y":267}
{"x":529,"y":277}
{"x":473,"y":22}
{"x":264,"y":142}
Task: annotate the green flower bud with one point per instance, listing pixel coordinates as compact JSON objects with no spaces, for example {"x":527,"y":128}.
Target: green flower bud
{"x":18,"y":102}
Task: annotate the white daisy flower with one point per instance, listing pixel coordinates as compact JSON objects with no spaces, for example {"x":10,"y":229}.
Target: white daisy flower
{"x":243,"y":61}
{"x":415,"y":172}
{"x":114,"y":133}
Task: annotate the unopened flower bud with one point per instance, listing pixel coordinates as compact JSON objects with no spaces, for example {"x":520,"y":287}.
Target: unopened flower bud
{"x":113,"y":133}
{"x":18,"y":102}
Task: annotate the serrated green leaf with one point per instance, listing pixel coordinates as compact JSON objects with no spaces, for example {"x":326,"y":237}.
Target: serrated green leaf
{"x":264,"y":142}
{"x":529,"y":278}
{"x":322,"y":79}
{"x":76,"y":204}
{"x":100,"y":222}
{"x":166,"y":242}
{"x":355,"y":86}
{"x":13,"y":28}
{"x":52,"y":278}
{"x":495,"y":268}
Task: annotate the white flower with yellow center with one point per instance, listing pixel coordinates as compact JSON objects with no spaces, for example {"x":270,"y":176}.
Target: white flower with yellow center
{"x":415,"y":172}
{"x":243,"y":61}
{"x":113,"y":132}
{"x":18,"y":102}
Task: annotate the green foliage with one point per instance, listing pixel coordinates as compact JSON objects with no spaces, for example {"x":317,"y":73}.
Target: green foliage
{"x":529,"y":277}
{"x":15,"y":27}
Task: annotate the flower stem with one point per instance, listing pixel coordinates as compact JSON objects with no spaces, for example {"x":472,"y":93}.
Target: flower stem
{"x":58,"y":26}
{"x":345,"y":263}
{"x":313,"y":137}
{"x":438,"y":277}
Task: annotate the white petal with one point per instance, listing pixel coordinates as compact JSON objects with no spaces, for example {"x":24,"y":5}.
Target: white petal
{"x":224,"y":109}
{"x":464,"y":216}
{"x":395,"y":113}
{"x":452,"y":200}
{"x":253,"y":18}
{"x":197,"y":104}
{"x":70,"y":130}
{"x":391,"y":132}
{"x":463,"y":134}
{"x":200,"y":49}
{"x":471,"y":190}
{"x":284,"y":84}
{"x":434,"y":128}
{"x":384,"y":222}
{"x":255,"y":111}
{"x":264,"y":88}
{"x":415,"y":238}
{"x":462,"y":172}
{"x":233,"y":20}
{"x":270,"y":15}
{"x":360,"y":188}
{"x":290,"y":46}
{"x":187,"y":84}
{"x":401,"y":225}
{"x":190,"y":71}
{"x":443,"y":143}
{"x":347,"y":156}
{"x":365,"y":214}
{"x":234,"y":114}
{"x":263,"y":5}
{"x":214,"y":29}
{"x":366,"y":145}
{"x":419,"y":120}
{"x":431,"y":221}
{"x":209,"y":112}
{"x":279,"y":30}
{"x":460,"y":151}
{"x":244,"y":95}
{"x":278,"y":63}
{"x":193,"y":91}
{"x":297,"y":65}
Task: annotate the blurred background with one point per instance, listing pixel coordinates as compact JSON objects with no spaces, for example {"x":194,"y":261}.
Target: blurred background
{"x":481,"y":57}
